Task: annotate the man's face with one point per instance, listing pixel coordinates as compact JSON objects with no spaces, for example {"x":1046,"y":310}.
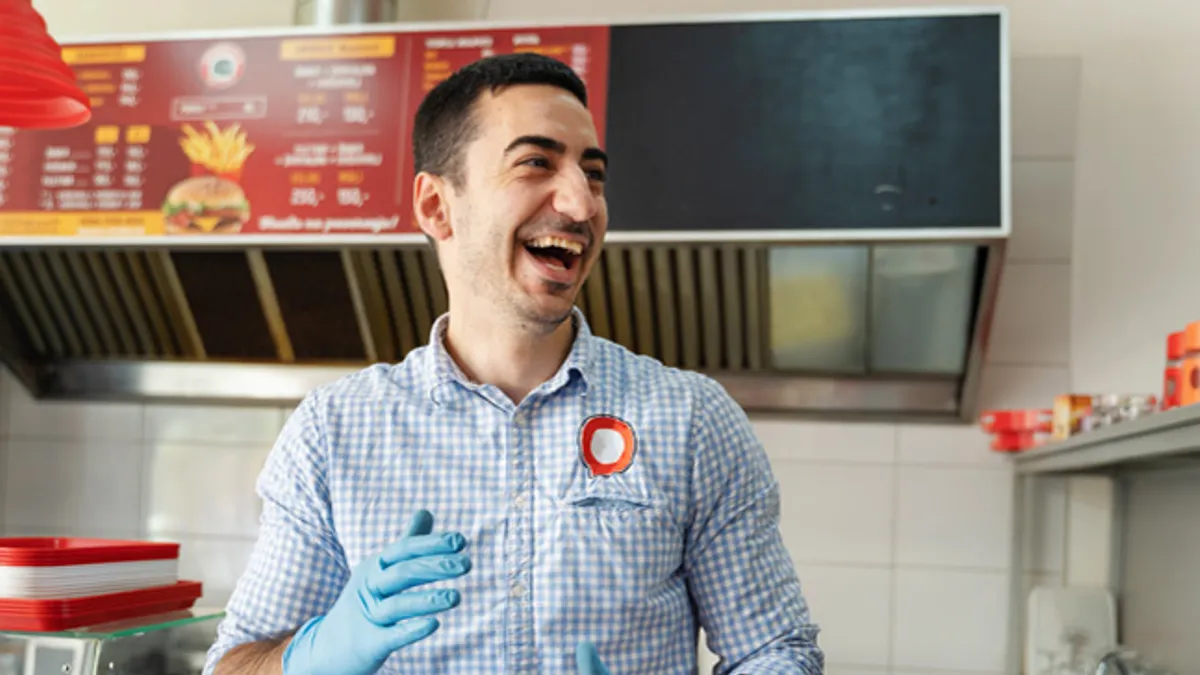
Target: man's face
{"x":528,"y":220}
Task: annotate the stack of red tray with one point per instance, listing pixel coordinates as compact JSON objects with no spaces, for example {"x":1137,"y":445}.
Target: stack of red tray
{"x":1017,"y":430}
{"x":58,"y":583}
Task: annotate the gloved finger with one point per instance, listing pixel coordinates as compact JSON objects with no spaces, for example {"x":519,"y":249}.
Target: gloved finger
{"x":422,"y":545}
{"x":412,"y":573}
{"x":421,"y":523}
{"x":587,"y":660}
{"x":396,"y":608}
{"x":405,"y":633}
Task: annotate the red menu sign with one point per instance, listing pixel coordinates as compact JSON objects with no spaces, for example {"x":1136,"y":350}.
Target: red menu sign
{"x":292,"y":137}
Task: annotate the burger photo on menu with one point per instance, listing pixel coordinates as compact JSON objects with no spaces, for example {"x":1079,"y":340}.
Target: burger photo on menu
{"x":204,"y":205}
{"x":211,"y":201}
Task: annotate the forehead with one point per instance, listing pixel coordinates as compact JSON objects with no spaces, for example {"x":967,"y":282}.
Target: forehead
{"x":542,"y":110}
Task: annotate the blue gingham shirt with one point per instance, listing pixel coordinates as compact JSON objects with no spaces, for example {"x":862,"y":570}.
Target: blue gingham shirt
{"x":635,"y":562}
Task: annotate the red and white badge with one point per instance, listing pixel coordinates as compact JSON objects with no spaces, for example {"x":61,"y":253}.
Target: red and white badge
{"x":606,"y":445}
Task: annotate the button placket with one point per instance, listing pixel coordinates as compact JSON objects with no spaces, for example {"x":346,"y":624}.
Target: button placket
{"x":520,"y":647}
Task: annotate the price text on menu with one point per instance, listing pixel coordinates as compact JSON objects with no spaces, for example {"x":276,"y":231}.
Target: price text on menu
{"x":287,"y":136}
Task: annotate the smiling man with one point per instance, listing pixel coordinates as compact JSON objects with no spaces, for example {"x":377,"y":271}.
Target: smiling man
{"x":595,"y":507}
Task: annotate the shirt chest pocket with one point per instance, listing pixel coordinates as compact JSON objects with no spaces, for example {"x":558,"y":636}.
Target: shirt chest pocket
{"x":612,"y":550}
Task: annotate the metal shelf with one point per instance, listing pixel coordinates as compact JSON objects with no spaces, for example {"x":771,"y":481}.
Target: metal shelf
{"x":1161,"y":440}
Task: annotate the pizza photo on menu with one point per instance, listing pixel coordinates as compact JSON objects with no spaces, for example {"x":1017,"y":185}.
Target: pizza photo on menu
{"x":211,"y":200}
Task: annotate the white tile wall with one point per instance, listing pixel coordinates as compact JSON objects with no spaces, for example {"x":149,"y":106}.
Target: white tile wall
{"x":71,"y":421}
{"x":947,"y":445}
{"x":86,"y":484}
{"x":828,"y":441}
{"x":854,"y":608}
{"x":1024,"y":386}
{"x":1045,"y":106}
{"x":950,"y":620}
{"x":1049,"y":531}
{"x":216,"y":425}
{"x":954,"y":518}
{"x":837,"y":513}
{"x":1043,"y":210}
{"x":219,"y":497}
{"x":1032,"y":324}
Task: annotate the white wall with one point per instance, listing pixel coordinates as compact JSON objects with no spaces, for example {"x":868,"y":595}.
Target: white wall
{"x":901,"y":533}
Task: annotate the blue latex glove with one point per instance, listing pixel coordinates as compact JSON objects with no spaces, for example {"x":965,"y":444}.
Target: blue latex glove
{"x":587,"y":660}
{"x":378,"y":611}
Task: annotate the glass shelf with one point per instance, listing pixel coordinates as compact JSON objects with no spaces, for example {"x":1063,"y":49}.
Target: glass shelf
{"x":127,"y":627}
{"x":166,"y":644}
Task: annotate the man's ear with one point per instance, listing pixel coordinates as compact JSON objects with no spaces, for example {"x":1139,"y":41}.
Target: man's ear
{"x":431,"y":206}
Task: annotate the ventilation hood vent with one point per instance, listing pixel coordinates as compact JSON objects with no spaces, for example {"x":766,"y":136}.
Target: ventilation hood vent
{"x":266,"y":325}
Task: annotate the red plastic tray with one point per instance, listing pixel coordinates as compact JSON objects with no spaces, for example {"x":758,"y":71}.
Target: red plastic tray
{"x":56,"y":615}
{"x":52,"y":551}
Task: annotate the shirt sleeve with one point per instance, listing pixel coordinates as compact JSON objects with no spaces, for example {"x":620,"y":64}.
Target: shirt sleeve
{"x":297,"y":568}
{"x":740,"y":574}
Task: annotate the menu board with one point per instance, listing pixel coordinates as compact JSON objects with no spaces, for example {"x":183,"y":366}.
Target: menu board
{"x":282,"y":137}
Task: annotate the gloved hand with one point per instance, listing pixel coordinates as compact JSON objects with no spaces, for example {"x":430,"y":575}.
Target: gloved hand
{"x":587,"y":660}
{"x":378,"y":612}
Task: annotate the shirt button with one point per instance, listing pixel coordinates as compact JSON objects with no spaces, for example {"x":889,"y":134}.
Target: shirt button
{"x":519,"y":501}
{"x":518,"y":590}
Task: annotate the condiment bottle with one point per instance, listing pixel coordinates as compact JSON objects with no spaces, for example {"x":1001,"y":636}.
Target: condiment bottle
{"x":1172,"y":382}
{"x":1189,"y":391}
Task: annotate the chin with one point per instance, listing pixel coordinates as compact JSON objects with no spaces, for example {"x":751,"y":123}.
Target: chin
{"x":548,"y":312}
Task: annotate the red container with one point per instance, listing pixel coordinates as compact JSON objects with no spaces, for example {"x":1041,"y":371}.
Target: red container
{"x":1015,"y":441}
{"x":1173,"y":373}
{"x":1189,"y":376}
{"x":1008,"y":421}
{"x":57,"y":615}
{"x":51,"y":551}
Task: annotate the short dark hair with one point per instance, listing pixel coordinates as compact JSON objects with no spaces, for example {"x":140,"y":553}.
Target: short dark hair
{"x":445,"y":121}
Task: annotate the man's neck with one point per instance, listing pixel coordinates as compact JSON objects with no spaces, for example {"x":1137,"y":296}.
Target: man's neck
{"x":513,"y":360}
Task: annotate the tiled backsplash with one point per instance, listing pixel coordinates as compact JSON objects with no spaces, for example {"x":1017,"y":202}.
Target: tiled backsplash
{"x":901,"y":534}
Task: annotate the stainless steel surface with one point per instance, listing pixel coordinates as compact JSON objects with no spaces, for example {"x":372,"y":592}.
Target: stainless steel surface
{"x":985,"y":312}
{"x":343,"y":12}
{"x":269,"y":301}
{"x":1112,"y":663}
{"x":187,"y":382}
{"x":1024,"y":512}
{"x":1134,"y":445}
{"x":179,"y":314}
{"x":283,"y":384}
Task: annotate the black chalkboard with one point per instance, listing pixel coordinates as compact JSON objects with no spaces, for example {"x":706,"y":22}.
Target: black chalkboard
{"x":878,"y":123}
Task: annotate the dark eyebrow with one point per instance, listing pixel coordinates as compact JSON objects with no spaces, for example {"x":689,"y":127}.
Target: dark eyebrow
{"x":547,"y":143}
{"x":596,"y":153}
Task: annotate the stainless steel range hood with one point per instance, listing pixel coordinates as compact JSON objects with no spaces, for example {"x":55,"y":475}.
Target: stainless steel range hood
{"x":255,"y":325}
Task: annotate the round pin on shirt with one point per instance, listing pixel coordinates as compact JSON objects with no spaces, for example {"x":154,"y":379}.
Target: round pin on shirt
{"x":607,"y":445}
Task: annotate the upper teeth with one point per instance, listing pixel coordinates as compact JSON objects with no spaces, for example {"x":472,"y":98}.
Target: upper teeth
{"x":558,"y":242}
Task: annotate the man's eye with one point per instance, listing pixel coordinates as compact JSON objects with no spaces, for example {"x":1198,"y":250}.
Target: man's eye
{"x":598,"y":175}
{"x":539,"y":162}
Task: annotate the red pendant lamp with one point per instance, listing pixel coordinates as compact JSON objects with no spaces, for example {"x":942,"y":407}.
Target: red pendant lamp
{"x":37,"y":89}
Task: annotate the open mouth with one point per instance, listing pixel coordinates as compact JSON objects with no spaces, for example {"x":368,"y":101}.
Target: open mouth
{"x":555,"y":252}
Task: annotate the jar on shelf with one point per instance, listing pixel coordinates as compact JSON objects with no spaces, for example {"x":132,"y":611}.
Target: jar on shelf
{"x":1189,"y":392}
{"x":1173,"y":373}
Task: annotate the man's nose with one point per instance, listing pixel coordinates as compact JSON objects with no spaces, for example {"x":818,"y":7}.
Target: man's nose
{"x":573,"y":197}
